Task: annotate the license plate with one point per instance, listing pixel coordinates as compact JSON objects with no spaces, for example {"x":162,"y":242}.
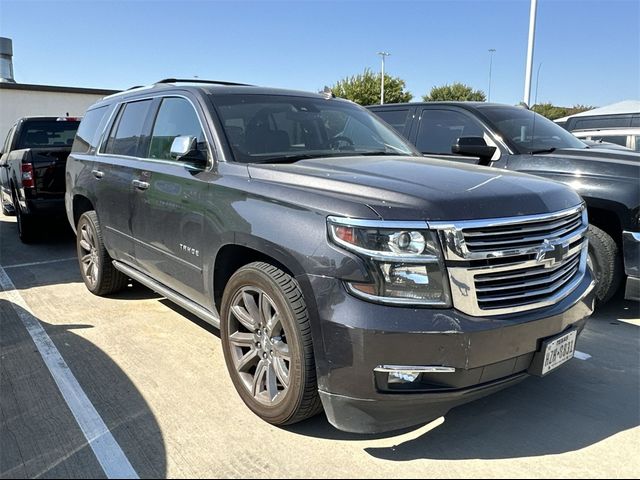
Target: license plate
{"x":558,"y":351}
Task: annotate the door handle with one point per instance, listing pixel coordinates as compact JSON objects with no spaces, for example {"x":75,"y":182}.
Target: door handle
{"x":97,"y":173}
{"x":140,"y":184}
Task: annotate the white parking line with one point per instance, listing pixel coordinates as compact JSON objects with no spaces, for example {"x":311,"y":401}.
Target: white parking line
{"x":581,"y":355}
{"x":109,"y":454}
{"x":31,"y":264}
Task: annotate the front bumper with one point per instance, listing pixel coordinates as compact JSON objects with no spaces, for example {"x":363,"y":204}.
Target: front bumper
{"x":631,"y":249}
{"x":488,"y":354}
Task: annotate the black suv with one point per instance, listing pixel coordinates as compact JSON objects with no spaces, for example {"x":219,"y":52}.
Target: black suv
{"x":514,"y":138}
{"x":344,"y":270}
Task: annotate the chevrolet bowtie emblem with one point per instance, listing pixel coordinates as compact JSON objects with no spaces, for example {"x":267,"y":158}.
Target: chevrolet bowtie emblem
{"x":551,"y":253}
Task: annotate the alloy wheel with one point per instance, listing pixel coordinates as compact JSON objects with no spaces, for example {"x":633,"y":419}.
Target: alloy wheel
{"x":89,"y":260}
{"x":259,"y":348}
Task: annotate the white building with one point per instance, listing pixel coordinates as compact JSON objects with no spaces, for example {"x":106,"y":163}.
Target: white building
{"x":24,"y":100}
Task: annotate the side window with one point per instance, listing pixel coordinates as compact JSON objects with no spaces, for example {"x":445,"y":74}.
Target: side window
{"x":637,"y":146}
{"x":88,"y":135}
{"x":440,"y":129}
{"x":176,"y":117}
{"x":126,"y":132}
{"x":396,"y":118}
{"x":617,"y":139}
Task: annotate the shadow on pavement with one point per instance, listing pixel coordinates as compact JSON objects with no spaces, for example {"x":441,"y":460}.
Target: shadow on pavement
{"x":579,"y":405}
{"x":39,"y":436}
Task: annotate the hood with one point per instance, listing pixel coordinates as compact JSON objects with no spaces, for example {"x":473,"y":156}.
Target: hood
{"x":403,"y":188}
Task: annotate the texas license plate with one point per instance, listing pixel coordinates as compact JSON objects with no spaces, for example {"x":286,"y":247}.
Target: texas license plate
{"x":558,"y":351}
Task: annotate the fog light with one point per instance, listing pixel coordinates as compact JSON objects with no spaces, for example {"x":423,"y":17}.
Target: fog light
{"x":403,"y":377}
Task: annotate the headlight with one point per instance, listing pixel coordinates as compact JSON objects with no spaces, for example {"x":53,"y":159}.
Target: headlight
{"x":404,"y":259}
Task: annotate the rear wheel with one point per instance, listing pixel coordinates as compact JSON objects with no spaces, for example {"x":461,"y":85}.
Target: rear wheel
{"x":266,"y":338}
{"x":96,"y":267}
{"x":605,"y":263}
{"x":26,"y":223}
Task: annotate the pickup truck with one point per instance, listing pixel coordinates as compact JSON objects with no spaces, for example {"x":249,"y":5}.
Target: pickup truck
{"x":32,"y":165}
{"x":514,"y":138}
{"x":344,"y":270}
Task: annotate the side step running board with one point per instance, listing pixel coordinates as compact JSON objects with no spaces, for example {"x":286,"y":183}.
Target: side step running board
{"x":175,"y":297}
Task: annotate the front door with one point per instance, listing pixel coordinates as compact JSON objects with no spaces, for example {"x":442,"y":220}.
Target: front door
{"x":169,"y":197}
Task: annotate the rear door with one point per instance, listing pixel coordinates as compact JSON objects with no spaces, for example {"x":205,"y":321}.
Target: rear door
{"x":170,"y":197}
{"x":400,"y":117}
{"x":113,"y":173}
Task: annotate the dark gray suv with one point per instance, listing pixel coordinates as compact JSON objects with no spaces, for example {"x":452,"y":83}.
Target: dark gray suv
{"x":344,"y":270}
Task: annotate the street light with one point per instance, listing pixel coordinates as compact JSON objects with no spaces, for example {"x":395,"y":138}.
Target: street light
{"x":491,"y":51}
{"x":382,"y":55}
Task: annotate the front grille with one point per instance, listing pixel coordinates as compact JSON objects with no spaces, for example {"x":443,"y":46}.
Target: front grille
{"x":502,"y":266}
{"x":484,"y":239}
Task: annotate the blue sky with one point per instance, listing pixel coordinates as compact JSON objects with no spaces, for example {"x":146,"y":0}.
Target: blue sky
{"x":589,"y":50}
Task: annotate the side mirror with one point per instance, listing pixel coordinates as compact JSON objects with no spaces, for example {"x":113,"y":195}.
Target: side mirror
{"x":185,"y":149}
{"x":473,"y":147}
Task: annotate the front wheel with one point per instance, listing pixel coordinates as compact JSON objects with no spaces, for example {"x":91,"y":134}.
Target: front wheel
{"x":266,"y":338}
{"x":605,"y":263}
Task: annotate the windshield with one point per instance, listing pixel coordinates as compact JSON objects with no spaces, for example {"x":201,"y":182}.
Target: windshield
{"x":268,"y":128}
{"x":529,"y":131}
{"x":47,"y":133}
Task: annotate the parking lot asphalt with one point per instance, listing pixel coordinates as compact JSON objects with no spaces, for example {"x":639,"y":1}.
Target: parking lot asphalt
{"x":156,"y":376}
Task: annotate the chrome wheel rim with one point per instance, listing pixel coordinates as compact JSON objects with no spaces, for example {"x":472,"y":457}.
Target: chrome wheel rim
{"x":258,"y":345}
{"x":88,"y":254}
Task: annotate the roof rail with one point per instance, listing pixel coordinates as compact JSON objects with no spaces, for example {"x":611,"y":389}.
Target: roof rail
{"x":197,"y":80}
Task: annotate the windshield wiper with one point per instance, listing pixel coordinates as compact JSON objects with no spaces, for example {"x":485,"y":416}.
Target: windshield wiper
{"x":299,"y":156}
{"x":544,"y":150}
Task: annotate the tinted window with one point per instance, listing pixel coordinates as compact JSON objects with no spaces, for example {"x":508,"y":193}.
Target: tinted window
{"x":637,"y":148}
{"x":88,"y":134}
{"x":528,"y":131}
{"x":617,"y":139}
{"x":603,"y":122}
{"x":127,"y":131}
{"x":176,"y":117}
{"x":396,"y":118}
{"x":635,"y":121}
{"x":264,"y":128}
{"x":440,"y":129}
{"x":47,"y":133}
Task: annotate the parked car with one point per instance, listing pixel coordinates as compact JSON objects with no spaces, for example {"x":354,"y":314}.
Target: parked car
{"x":593,"y":121}
{"x":32,"y":166}
{"x":625,"y":138}
{"x":343,"y":269}
{"x":514,"y":138}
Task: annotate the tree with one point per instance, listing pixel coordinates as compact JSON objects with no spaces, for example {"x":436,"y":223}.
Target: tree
{"x":365,"y":89}
{"x":455,"y":92}
{"x":553,"y":112}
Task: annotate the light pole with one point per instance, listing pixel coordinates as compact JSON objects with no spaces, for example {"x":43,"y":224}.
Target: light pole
{"x":491,"y":51}
{"x":382,"y":55}
{"x":532,"y":34}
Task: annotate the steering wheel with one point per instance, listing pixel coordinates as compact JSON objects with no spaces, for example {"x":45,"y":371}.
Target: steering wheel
{"x":334,"y":143}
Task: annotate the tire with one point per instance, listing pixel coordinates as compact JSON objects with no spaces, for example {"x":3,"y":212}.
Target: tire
{"x":277,"y":394}
{"x":96,"y":267}
{"x":26,"y":224}
{"x":605,"y":263}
